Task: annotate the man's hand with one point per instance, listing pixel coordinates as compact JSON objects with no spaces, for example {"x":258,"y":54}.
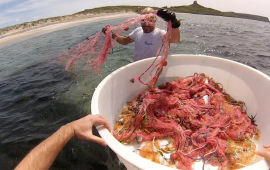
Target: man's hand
{"x":83,"y":128}
{"x":114,"y":36}
{"x":103,"y":30}
{"x":169,"y":16}
{"x":42,"y":156}
{"x":265,"y":153}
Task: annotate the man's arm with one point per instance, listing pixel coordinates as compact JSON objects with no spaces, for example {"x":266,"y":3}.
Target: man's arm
{"x":124,"y":40}
{"x":175,"y":35}
{"x":42,"y":156}
{"x":170,"y":16}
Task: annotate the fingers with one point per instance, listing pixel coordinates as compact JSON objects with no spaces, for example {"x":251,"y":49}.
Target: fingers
{"x":113,"y":36}
{"x":97,"y":140}
{"x":104,"y":30}
{"x":168,"y":15}
{"x":261,"y":153}
{"x":100,"y":120}
{"x":266,"y":146}
{"x":106,"y":124}
{"x":265,"y":154}
{"x":83,"y":128}
{"x":163,"y":14}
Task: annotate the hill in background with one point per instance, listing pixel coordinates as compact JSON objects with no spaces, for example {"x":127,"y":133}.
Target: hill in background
{"x":195,"y":8}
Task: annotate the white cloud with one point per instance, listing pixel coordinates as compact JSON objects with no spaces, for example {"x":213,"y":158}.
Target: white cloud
{"x":16,"y":20}
{"x":32,"y":9}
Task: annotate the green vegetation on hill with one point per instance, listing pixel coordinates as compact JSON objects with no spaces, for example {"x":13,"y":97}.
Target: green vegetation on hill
{"x":112,"y":9}
{"x":195,"y":8}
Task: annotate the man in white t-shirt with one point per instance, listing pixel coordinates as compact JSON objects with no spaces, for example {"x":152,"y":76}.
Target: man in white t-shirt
{"x":148,"y":38}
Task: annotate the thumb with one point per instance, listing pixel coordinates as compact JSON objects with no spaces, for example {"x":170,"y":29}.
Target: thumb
{"x":266,"y":146}
{"x":98,"y":140}
{"x":261,"y":153}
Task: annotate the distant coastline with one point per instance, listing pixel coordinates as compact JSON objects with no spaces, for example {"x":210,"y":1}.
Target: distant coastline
{"x":55,"y":26}
{"x":195,"y":8}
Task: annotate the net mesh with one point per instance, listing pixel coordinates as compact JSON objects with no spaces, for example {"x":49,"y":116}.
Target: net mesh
{"x":93,"y":51}
{"x":194,"y":112}
{"x":200,"y":118}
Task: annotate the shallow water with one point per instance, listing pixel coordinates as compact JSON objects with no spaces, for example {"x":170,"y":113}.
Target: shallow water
{"x":38,"y":95}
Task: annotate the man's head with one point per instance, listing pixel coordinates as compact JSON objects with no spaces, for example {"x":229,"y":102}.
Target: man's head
{"x":148,"y":24}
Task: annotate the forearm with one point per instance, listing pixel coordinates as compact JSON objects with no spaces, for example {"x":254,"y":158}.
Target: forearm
{"x":121,"y":40}
{"x":175,"y":35}
{"x":42,"y":156}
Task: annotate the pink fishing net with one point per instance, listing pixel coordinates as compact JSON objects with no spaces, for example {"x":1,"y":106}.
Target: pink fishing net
{"x":93,"y":52}
{"x":199,"y":126}
{"x":197,"y":114}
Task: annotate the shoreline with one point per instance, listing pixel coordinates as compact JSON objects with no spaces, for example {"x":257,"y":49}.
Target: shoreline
{"x":58,"y":26}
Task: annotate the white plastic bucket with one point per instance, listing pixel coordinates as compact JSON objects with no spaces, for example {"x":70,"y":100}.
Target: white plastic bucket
{"x":240,"y":81}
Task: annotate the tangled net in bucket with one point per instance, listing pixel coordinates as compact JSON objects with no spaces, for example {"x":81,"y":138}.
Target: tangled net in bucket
{"x":198,"y":122}
{"x":93,"y":51}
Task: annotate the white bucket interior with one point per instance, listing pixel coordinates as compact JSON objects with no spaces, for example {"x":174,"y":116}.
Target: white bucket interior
{"x":240,"y":81}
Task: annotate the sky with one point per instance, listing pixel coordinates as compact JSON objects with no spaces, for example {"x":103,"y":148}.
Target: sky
{"x":14,"y":12}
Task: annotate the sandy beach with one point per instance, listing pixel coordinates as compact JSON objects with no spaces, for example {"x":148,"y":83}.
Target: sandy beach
{"x":57,"y":26}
